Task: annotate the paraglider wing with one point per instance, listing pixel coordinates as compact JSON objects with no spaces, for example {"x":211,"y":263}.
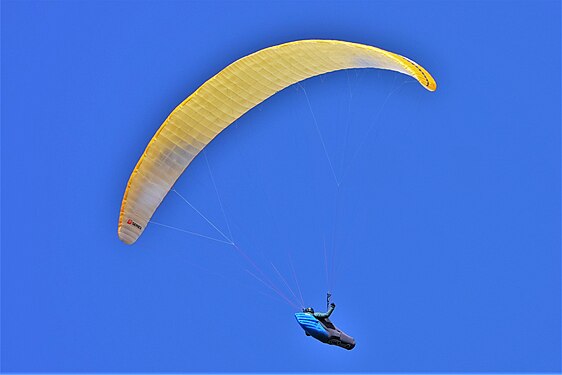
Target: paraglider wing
{"x":224,"y":98}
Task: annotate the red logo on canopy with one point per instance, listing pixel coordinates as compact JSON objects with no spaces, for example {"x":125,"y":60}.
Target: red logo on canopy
{"x":129,"y":221}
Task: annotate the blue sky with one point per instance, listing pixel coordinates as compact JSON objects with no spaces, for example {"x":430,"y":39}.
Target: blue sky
{"x":443,"y":238}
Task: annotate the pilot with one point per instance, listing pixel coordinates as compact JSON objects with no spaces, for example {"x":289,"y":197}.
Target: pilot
{"x":318,"y":315}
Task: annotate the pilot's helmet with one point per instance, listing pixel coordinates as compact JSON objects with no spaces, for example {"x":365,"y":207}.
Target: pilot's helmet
{"x":309,"y":310}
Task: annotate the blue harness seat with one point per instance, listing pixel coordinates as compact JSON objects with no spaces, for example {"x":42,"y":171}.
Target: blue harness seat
{"x":324,"y":331}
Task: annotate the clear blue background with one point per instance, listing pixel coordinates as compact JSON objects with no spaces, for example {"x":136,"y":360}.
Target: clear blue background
{"x":443,"y":239}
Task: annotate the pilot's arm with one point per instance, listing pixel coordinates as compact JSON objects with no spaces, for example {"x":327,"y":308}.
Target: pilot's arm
{"x":327,"y":314}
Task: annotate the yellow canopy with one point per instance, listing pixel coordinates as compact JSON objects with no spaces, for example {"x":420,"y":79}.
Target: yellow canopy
{"x":227,"y":96}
